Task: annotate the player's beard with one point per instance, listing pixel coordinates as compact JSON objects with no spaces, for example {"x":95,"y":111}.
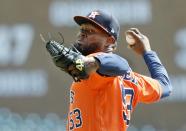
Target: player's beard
{"x":87,"y":49}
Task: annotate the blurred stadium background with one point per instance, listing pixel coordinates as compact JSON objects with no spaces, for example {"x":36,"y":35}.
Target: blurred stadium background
{"x":34,"y":93}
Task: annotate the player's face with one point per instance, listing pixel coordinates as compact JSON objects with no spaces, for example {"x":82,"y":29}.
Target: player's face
{"x":91,"y":39}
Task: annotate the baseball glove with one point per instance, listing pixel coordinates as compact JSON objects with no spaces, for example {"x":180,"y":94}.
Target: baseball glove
{"x":67,"y":59}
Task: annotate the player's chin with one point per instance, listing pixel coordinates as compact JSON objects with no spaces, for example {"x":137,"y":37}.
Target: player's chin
{"x":86,"y":48}
{"x":78,"y":46}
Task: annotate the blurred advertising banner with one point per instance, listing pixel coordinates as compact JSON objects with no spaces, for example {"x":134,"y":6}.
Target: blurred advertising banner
{"x":127,"y":12}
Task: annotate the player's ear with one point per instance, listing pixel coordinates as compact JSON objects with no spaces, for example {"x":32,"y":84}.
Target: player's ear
{"x":111,"y":44}
{"x":111,"y":39}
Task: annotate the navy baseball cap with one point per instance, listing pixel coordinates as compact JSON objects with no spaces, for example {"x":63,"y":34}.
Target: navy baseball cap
{"x":102,"y":20}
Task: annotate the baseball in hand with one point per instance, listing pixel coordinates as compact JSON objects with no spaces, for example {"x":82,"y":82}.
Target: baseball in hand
{"x":130,"y":39}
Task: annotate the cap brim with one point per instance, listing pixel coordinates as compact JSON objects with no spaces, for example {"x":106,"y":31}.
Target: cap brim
{"x":83,"y":20}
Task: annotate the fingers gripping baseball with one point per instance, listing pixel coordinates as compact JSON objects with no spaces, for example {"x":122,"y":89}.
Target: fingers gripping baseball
{"x":137,"y":41}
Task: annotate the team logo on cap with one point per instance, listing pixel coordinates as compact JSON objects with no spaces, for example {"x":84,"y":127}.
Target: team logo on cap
{"x":93,"y":14}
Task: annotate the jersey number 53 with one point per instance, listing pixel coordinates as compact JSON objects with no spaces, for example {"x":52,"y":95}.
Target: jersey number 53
{"x":75,"y":120}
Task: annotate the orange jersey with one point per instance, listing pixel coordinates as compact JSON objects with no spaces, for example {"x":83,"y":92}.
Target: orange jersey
{"x":102,"y":103}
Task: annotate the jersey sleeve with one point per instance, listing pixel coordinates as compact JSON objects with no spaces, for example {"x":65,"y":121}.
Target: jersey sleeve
{"x":149,"y":89}
{"x":158,"y":72}
{"x":111,"y":64}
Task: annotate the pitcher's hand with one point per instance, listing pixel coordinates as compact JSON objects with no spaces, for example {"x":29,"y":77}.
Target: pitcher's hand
{"x":137,"y":41}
